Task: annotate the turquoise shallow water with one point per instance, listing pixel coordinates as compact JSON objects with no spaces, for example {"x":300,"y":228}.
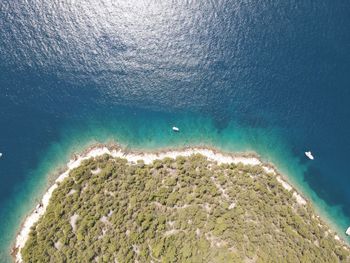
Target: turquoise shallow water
{"x":270,"y":77}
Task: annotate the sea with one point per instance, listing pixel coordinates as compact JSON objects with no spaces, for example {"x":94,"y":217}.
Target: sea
{"x":271,"y":77}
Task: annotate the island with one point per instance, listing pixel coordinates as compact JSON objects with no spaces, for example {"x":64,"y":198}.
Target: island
{"x":189,"y":205}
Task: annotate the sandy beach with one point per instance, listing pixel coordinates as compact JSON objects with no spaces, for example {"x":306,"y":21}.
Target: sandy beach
{"x":146,"y":157}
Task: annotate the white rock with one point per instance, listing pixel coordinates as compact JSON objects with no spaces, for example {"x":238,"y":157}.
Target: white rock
{"x":300,"y":200}
{"x":348,"y":231}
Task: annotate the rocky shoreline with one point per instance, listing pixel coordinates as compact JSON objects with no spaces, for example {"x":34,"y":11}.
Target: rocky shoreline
{"x":147,"y":157}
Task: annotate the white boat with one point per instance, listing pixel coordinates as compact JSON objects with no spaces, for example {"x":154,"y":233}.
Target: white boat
{"x":0,"y":155}
{"x":176,"y":129}
{"x":309,"y":155}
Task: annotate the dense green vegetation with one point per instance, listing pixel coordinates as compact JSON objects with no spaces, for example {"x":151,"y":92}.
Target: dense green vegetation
{"x":183,"y":210}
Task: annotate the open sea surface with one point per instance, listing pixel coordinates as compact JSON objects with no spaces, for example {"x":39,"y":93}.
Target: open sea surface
{"x":247,"y":75}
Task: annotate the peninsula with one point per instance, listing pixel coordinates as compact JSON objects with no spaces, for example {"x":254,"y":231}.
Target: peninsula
{"x":189,"y":205}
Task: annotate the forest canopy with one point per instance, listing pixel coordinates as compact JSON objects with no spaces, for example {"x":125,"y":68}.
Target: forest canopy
{"x":177,"y":210}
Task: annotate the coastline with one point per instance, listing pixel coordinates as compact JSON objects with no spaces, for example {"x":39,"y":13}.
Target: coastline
{"x":117,"y":151}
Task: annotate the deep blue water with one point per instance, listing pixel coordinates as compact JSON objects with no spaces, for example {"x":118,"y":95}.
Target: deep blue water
{"x":268,"y":76}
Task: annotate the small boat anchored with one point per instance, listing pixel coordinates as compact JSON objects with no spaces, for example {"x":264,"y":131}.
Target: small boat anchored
{"x":309,"y":155}
{"x":176,"y":129}
{"x":0,"y":155}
